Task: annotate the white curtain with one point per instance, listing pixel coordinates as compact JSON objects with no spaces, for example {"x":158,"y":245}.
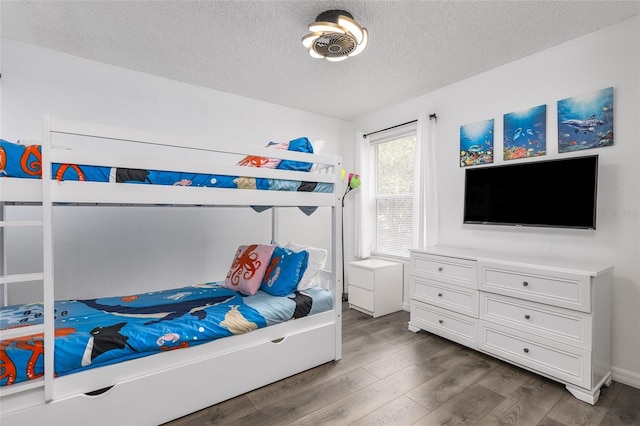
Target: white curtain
{"x":363,"y":219}
{"x":426,"y":216}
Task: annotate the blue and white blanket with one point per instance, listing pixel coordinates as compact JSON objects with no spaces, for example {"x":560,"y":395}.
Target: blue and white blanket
{"x":97,"y":332}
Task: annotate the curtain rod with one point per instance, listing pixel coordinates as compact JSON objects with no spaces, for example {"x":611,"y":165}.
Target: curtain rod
{"x":398,"y":125}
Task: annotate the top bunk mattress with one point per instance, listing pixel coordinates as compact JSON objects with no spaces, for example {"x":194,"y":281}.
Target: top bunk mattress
{"x":20,"y":161}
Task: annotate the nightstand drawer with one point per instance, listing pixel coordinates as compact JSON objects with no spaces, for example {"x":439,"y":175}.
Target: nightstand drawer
{"x":361,"y":298}
{"x":456,"y":327}
{"x":565,"y":362}
{"x":448,"y":269}
{"x":363,"y":278}
{"x":458,"y":299}
{"x":558,"y":289}
{"x":561,"y":325}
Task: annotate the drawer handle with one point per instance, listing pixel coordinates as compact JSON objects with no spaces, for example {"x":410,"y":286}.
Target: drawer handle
{"x":440,"y":321}
{"x":524,"y":283}
{"x":526,"y":350}
{"x":439,"y":268}
{"x":439,"y":294}
{"x":99,"y":392}
{"x":527,"y":316}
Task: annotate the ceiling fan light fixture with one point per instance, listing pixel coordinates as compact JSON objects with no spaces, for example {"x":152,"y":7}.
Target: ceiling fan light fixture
{"x":308,"y":40}
{"x":365,"y":40}
{"x":352,"y":27}
{"x":315,"y":55}
{"x":322,"y":27}
{"x":335,"y":36}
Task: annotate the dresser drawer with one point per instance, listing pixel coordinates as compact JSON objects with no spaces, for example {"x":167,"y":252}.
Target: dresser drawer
{"x":458,"y":299}
{"x":456,"y":327}
{"x":561,"y":325}
{"x":564,"y":362}
{"x":361,"y":298}
{"x":562,"y":289}
{"x":448,"y":269}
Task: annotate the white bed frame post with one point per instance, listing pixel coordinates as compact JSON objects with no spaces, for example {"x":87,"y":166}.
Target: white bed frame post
{"x":47,"y":255}
{"x":336,"y":250}
{"x":275,"y":224}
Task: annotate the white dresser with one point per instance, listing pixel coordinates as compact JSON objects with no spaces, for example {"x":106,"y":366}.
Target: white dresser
{"x":546,"y":315}
{"x":375,"y":286}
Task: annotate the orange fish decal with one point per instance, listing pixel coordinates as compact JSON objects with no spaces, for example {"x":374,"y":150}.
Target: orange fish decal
{"x":31,"y":160}
{"x":271,"y":268}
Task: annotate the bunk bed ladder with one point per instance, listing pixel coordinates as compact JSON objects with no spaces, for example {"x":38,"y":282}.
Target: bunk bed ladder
{"x":6,"y":280}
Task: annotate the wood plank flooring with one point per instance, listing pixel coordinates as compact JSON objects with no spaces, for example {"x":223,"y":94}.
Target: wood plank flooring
{"x":391,"y":376}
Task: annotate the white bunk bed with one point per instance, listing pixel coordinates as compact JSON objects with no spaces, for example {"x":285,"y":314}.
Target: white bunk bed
{"x":199,"y":376}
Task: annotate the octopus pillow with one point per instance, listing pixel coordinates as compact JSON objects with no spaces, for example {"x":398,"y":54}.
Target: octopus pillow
{"x":285,"y":271}
{"x":248,"y":268}
{"x":264,"y":162}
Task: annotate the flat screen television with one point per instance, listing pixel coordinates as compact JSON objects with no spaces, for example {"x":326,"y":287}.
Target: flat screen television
{"x":558,"y":193}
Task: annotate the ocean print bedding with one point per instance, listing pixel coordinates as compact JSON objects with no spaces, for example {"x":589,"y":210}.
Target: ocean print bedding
{"x":24,"y":161}
{"x":97,"y":332}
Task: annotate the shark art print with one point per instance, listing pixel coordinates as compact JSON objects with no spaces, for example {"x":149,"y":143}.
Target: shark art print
{"x":586,"y":121}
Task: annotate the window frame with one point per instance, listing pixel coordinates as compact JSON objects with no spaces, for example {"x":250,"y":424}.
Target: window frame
{"x":378,"y":139}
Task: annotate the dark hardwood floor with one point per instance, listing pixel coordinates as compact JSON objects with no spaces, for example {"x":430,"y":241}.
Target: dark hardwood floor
{"x":391,"y":376}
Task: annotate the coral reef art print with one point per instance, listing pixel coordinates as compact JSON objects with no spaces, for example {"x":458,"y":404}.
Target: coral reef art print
{"x":586,"y":121}
{"x":476,"y":143}
{"x":525,"y":133}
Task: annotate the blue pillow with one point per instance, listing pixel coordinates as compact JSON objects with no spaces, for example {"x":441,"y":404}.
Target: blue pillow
{"x":285,"y":271}
{"x":300,"y":145}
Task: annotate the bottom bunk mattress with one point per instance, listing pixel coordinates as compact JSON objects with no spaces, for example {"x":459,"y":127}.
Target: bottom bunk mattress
{"x":96,"y":332}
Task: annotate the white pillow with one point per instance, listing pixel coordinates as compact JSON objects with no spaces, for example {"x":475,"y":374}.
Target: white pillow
{"x":317,"y":260}
{"x":318,"y":146}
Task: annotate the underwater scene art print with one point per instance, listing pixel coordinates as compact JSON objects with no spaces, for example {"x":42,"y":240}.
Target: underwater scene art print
{"x":586,"y":121}
{"x":476,"y":143}
{"x":525,"y":133}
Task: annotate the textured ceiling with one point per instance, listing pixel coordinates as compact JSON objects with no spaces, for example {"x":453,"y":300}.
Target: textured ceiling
{"x":252,"y":48}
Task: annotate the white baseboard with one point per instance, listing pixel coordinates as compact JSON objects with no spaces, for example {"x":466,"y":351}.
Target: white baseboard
{"x":406,"y":307}
{"x":626,"y":377}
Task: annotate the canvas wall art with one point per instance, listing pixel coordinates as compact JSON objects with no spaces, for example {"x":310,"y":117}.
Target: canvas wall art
{"x":525,"y":133}
{"x":586,"y":121}
{"x":476,"y":143}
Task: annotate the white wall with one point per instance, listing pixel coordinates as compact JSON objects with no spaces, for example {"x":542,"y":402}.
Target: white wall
{"x":610,"y":57}
{"x":105,"y":247}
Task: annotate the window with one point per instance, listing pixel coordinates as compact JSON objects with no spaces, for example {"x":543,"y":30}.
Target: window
{"x":392,"y":163}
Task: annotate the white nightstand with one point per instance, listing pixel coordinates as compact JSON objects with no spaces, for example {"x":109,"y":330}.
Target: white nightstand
{"x":375,"y":286}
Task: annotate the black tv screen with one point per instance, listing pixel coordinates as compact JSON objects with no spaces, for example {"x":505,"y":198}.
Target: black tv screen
{"x":554,"y":193}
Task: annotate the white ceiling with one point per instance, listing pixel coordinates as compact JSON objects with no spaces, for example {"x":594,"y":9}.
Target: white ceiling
{"x":252,"y":48}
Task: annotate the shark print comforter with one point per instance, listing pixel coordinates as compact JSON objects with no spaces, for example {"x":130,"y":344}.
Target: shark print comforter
{"x":97,"y":332}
